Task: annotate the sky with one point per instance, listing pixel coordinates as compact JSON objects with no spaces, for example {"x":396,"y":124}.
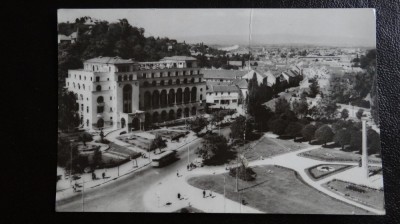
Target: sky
{"x":341,"y":27}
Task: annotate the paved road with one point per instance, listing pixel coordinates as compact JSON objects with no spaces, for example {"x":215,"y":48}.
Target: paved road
{"x":125,"y":194}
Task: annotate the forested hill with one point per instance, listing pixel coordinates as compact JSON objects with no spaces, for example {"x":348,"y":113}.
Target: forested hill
{"x":112,"y":39}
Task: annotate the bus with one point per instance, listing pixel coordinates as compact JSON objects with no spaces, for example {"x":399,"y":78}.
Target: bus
{"x":163,"y":158}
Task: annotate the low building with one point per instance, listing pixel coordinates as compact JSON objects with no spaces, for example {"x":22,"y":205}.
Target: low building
{"x":222,"y":76}
{"x":223,"y":96}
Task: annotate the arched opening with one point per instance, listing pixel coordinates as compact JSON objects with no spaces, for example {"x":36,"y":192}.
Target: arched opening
{"x":100,"y":104}
{"x":100,"y":123}
{"x":100,"y":99}
{"x":163,"y":98}
{"x":147,"y":100}
{"x":123,"y":122}
{"x":193,"y":94}
{"x":147,"y":121}
{"x":170,"y":82}
{"x":154,"y":83}
{"x":178,"y":81}
{"x":98,"y":88}
{"x":164,"y":116}
{"x":186,"y":112}
{"x":193,"y":111}
{"x":179,"y":96}
{"x":184,"y":81}
{"x":162,"y":82}
{"x":179,"y":113}
{"x":127,"y":99}
{"x":136,"y":124}
{"x":201,"y":97}
{"x":125,"y":77}
{"x":171,"y":115}
{"x":186,"y":95}
{"x":192,"y":80}
{"x":171,"y":97}
{"x":156,"y":99}
{"x":155,"y":117}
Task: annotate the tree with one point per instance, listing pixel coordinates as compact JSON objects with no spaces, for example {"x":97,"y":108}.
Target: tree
{"x":158,"y":142}
{"x":278,"y":126}
{"x":356,"y":140}
{"x":339,"y":125}
{"x":294,"y":129}
{"x":342,"y":137}
{"x":300,"y":107}
{"x":314,"y":88}
{"x":198,"y":124}
{"x":85,"y":137}
{"x":217,"y":117}
{"x":241,"y":126}
{"x":359,"y":113}
{"x":281,"y":105}
{"x":68,"y":116}
{"x":308,"y":132}
{"x":324,"y":134}
{"x":215,"y":150}
{"x":344,"y":114}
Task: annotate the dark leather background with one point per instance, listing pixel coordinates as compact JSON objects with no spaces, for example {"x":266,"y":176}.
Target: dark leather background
{"x":34,"y":28}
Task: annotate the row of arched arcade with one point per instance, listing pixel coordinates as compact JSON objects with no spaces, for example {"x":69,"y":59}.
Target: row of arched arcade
{"x":157,"y":99}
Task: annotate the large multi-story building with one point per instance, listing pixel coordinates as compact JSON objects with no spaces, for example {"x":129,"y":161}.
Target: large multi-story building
{"x":115,"y":92}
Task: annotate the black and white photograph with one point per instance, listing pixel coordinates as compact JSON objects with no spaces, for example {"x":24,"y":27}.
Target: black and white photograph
{"x":241,"y":110}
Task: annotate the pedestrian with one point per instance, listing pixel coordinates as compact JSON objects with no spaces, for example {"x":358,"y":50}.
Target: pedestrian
{"x":211,"y":194}
{"x":73,"y":187}
{"x":187,"y":167}
{"x":179,"y":196}
{"x":204,"y":193}
{"x":104,"y":175}
{"x":177,"y":173}
{"x":93,"y":176}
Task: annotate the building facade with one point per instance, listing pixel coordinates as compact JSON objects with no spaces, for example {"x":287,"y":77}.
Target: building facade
{"x":118,"y":93}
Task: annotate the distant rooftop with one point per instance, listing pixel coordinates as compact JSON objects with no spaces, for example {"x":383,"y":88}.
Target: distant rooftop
{"x":179,"y":58}
{"x":223,"y":74}
{"x":224,"y":88}
{"x":109,"y":60}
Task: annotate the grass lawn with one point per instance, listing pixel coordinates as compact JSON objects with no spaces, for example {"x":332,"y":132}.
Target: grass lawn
{"x":317,"y":174}
{"x":268,"y":147}
{"x":167,"y":133}
{"x":277,"y":192}
{"x":188,"y":209}
{"x":334,"y":155}
{"x":368,"y":196}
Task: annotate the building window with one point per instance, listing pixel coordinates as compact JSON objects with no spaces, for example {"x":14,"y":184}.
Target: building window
{"x":110,"y":97}
{"x":178,"y":81}
{"x":176,"y":73}
{"x":216,"y":101}
{"x":130,"y":77}
{"x":201,"y":89}
{"x":201,"y":97}
{"x":98,"y":88}
{"x":146,"y":84}
{"x":108,"y":79}
{"x":185,"y":81}
{"x":83,"y":86}
{"x":234,"y":101}
{"x":119,"y":78}
{"x":191,"y":72}
{"x":162,"y":82}
{"x":127,"y":99}
{"x":100,"y":109}
{"x":91,"y":78}
{"x":80,"y":77}
{"x":125,"y":77}
{"x":229,"y":93}
{"x":170,"y":82}
{"x":152,"y":75}
{"x":184,"y":72}
{"x":97,"y":79}
{"x":79,"y":86}
{"x":82,"y":108}
{"x":199,"y":79}
{"x":169,"y":74}
{"x":111,"y":109}
{"x":87,"y":109}
{"x":84,"y":77}
{"x":100,"y":99}
{"x":154,"y":83}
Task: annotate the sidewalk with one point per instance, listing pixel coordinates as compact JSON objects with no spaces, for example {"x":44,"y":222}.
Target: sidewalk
{"x":64,"y":188}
